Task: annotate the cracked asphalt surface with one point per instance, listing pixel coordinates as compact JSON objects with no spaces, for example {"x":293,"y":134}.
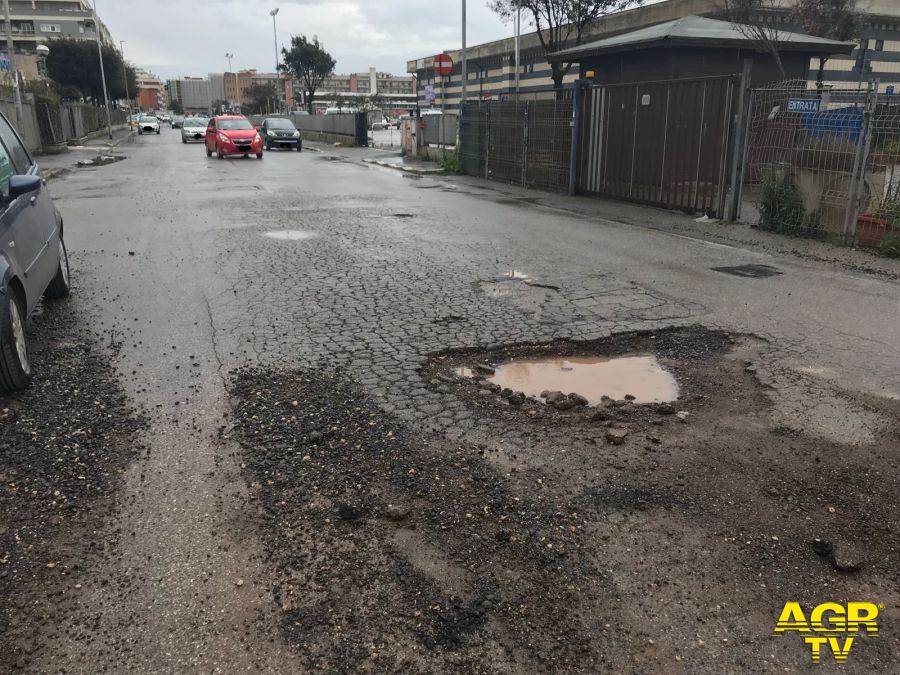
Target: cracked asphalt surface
{"x":255,"y":534}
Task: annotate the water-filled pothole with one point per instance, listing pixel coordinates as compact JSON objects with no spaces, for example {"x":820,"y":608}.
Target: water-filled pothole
{"x":289,"y":235}
{"x":641,"y":377}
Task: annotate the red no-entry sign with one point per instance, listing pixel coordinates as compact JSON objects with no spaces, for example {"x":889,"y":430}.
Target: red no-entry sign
{"x":443,"y":64}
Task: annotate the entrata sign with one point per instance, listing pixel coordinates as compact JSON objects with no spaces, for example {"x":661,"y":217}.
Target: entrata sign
{"x":443,"y":64}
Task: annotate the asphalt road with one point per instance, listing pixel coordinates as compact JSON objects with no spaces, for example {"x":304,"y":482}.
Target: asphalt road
{"x":197,"y":267}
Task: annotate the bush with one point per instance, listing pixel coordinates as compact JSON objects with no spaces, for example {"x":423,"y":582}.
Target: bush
{"x":890,"y":246}
{"x":450,"y":162}
{"x":781,"y":205}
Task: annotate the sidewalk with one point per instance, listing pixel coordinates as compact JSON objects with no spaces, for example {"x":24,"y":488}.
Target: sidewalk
{"x":53,"y":165}
{"x":407,"y":164}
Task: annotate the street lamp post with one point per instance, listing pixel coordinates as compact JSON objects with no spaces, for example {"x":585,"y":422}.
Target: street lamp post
{"x":229,"y":57}
{"x":102,"y":70}
{"x":10,"y":50}
{"x":273,"y":14}
{"x":464,"y":66}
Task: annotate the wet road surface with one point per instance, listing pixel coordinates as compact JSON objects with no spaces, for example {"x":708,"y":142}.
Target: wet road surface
{"x":196,"y":268}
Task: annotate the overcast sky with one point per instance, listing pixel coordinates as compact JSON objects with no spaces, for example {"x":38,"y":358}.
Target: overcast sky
{"x":190,"y":37}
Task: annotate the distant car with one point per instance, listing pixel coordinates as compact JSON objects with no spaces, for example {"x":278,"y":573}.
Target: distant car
{"x":165,"y":118}
{"x":279,"y":132}
{"x":194,"y":129}
{"x":380,"y":125}
{"x":177,"y":121}
{"x":147,"y":124}
{"x":232,"y":135}
{"x":33,"y":260}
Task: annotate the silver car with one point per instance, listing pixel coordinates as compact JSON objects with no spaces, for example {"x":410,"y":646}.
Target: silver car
{"x":193,"y":129}
{"x":148,"y":124}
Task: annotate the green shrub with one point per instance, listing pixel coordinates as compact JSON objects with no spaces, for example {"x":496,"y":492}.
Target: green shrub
{"x":781,"y":205}
{"x":890,"y":246}
{"x":450,"y":162}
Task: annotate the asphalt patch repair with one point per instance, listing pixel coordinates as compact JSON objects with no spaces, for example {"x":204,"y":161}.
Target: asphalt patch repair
{"x":530,"y":541}
{"x":64,"y":444}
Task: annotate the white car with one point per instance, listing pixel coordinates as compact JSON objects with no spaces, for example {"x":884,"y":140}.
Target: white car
{"x":193,"y":129}
{"x":147,"y":124}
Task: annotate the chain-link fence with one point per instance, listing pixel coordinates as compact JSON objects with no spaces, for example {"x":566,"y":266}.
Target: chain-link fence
{"x":527,"y":143}
{"x":50,"y":123}
{"x":824,"y":164}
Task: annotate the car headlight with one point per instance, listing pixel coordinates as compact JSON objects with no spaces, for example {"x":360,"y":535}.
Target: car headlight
{"x":257,"y":137}
{"x":296,"y":134}
{"x":270,"y":134}
{"x":224,"y":138}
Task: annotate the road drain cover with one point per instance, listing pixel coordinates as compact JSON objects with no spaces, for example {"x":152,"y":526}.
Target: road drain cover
{"x":593,"y":377}
{"x":750,"y":271}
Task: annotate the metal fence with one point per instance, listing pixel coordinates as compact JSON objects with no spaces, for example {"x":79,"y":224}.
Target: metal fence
{"x":440,"y":129}
{"x":526,"y":142}
{"x":824,"y":164}
{"x":665,"y":143}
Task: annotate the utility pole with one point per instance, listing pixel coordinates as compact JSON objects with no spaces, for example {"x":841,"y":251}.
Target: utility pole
{"x":518,"y":47}
{"x":12,"y":62}
{"x":229,"y":57}
{"x":463,"y":72}
{"x":102,"y":70}
{"x":274,"y":13}
{"x":125,"y":73}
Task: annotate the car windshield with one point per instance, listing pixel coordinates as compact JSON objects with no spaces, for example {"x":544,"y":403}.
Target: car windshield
{"x":235,"y":125}
{"x":279,"y":124}
{"x":196,"y":122}
{"x":147,"y":118}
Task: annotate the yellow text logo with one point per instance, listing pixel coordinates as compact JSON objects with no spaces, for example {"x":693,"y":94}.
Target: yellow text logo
{"x":830,"y":627}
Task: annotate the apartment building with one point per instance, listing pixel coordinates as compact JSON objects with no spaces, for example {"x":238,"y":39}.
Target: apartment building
{"x":492,"y":66}
{"x":35,"y":22}
{"x":151,"y":93}
{"x":369,"y":83}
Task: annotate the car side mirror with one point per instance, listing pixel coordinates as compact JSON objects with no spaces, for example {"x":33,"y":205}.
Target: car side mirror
{"x":22,"y":185}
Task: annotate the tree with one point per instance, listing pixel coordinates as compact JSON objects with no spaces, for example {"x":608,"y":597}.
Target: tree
{"x":832,"y":19}
{"x":749,"y":18}
{"x":309,"y":63}
{"x":176,"y":107}
{"x":560,"y":24}
{"x":374,"y":101}
{"x":260,"y":98}
{"x":75,"y":66}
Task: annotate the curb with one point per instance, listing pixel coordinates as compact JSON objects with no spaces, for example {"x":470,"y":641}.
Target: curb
{"x":406,"y":169}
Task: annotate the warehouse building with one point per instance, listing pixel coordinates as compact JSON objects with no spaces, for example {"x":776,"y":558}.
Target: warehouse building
{"x":491,"y":66}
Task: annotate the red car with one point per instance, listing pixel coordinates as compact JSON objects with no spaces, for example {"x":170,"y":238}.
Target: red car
{"x":232,"y":135}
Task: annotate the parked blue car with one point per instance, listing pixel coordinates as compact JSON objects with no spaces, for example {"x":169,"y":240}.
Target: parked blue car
{"x":33,"y":261}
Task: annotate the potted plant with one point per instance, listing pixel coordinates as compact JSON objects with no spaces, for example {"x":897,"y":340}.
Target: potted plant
{"x":872,"y":227}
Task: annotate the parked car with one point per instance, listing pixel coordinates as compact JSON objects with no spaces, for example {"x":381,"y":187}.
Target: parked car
{"x":177,"y":121}
{"x":165,"y":118}
{"x":33,"y":260}
{"x":380,"y":125}
{"x":279,"y":132}
{"x":232,"y":135}
{"x":148,"y":124}
{"x":193,"y":129}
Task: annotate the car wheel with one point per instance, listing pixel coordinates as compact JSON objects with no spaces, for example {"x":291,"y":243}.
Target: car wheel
{"x":140,"y":133}
{"x":300,"y":147}
{"x":268,"y":145}
{"x":220,"y":153}
{"x":183,"y":140}
{"x":208,"y":151}
{"x":15,"y":369}
{"x":259,"y":155}
{"x":59,"y":287}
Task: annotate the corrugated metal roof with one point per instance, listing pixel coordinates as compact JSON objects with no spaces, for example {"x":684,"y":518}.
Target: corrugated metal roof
{"x":699,"y":31}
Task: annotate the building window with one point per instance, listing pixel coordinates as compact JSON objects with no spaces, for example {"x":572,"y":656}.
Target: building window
{"x":864,"y":44}
{"x":879,"y":45}
{"x":50,"y":27}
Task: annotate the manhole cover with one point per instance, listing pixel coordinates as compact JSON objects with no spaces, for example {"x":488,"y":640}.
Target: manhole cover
{"x":749,"y":271}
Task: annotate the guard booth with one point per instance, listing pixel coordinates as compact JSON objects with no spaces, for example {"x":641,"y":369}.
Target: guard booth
{"x":659,"y":120}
